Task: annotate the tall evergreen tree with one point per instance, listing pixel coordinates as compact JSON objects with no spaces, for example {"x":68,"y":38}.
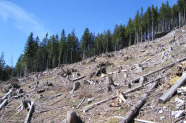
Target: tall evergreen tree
{"x":136,"y":26}
{"x":85,"y":40}
{"x":129,"y":30}
{"x":2,"y":66}
{"x":29,"y":53}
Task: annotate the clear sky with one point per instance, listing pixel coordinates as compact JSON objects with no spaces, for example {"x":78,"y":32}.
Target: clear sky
{"x":18,"y":18}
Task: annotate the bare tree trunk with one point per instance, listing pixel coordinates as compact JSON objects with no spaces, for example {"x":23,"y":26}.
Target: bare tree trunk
{"x":141,"y":34}
{"x":130,"y":40}
{"x":107,"y":46}
{"x":71,"y":57}
{"x":149,"y":30}
{"x":137,"y":37}
{"x":152,"y":29}
{"x":162,"y":26}
{"x":184,"y":16}
{"x":25,"y":73}
{"x":59,"y":60}
{"x":179,"y":19}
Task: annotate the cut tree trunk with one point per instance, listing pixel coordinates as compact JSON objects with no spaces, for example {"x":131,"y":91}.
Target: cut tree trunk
{"x":169,"y":93}
{"x":138,"y":105}
{"x":31,"y":110}
{"x":72,"y":117}
{"x":3,"y":103}
{"x":6,"y":95}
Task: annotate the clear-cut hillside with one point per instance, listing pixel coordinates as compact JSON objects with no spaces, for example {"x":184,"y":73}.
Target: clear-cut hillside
{"x":56,"y":91}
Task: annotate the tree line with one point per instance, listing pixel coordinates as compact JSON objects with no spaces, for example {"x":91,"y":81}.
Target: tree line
{"x":51,"y":52}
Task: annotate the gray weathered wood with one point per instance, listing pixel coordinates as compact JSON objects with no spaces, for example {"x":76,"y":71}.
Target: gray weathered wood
{"x":138,"y":105}
{"x":81,"y":77}
{"x":3,"y":103}
{"x":6,"y":95}
{"x":143,"y":121}
{"x":28,"y":117}
{"x":168,"y":94}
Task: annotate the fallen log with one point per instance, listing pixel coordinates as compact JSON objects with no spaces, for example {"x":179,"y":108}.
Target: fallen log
{"x":138,"y":105}
{"x":167,"y":66}
{"x":81,"y":77}
{"x":3,"y":103}
{"x":168,"y":94}
{"x":31,"y":110}
{"x":6,"y":95}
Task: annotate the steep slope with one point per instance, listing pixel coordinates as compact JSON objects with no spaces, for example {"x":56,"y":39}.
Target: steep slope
{"x":54,"y":94}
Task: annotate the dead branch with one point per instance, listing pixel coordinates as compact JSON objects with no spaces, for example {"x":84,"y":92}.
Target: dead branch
{"x":167,"y":66}
{"x":150,"y":58}
{"x":58,"y":101}
{"x":57,"y":95}
{"x":81,"y":77}
{"x":143,"y":121}
{"x":81,"y":103}
{"x":50,"y":109}
{"x":85,"y":109}
{"x":138,"y":105}
{"x":28,"y":117}
{"x":168,"y":94}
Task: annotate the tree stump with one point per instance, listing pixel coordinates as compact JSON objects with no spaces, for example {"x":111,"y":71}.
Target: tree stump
{"x":76,"y":86}
{"x":72,"y":117}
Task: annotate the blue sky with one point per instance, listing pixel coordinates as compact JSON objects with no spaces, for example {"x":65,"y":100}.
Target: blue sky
{"x":18,"y":18}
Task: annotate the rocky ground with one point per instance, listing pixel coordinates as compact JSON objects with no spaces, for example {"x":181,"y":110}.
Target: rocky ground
{"x":77,"y":86}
